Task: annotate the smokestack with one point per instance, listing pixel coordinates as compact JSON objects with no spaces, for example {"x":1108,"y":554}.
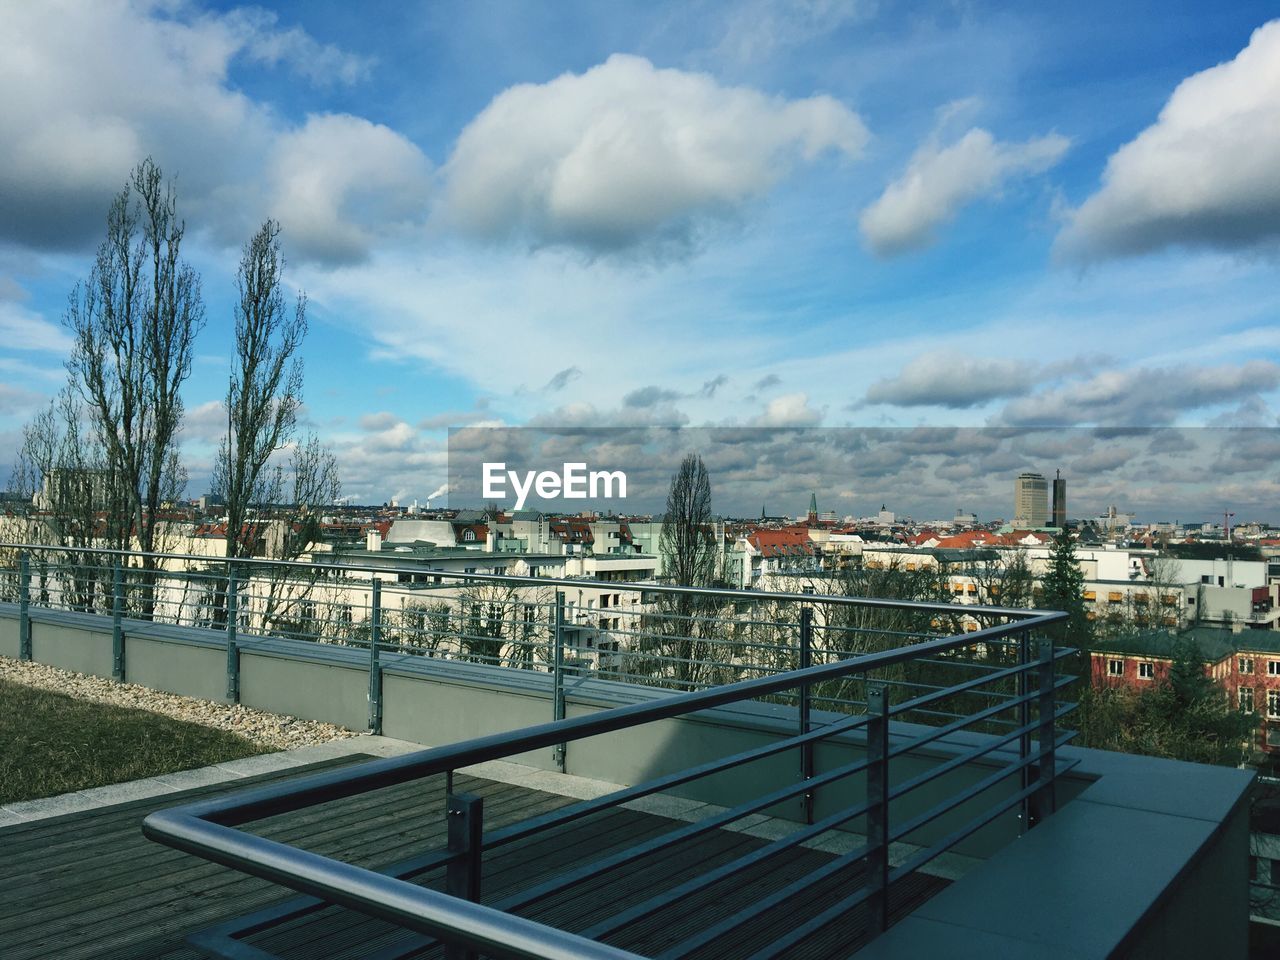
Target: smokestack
{"x":373,"y":542}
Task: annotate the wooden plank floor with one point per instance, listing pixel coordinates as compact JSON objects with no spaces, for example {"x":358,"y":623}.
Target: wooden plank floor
{"x":89,"y":885}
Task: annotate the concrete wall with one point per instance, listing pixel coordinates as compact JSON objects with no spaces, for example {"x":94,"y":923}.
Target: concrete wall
{"x":436,"y":702}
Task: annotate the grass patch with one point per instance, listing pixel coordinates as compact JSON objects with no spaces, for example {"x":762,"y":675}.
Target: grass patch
{"x":51,"y":743}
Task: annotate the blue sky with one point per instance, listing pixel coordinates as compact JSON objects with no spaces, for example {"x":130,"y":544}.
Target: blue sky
{"x":766,"y":213}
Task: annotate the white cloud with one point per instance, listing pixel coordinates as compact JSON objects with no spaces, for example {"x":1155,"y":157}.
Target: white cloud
{"x":626,"y":155}
{"x":939,"y":181}
{"x":1146,"y":396}
{"x":23,"y":329}
{"x":947,"y":379}
{"x":1204,"y":174}
{"x":338,"y":181}
{"x":256,"y":33}
{"x":105,"y":84}
{"x":788,"y":410}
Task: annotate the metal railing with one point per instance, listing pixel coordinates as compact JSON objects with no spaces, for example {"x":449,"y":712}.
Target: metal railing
{"x":648,"y":634}
{"x":1000,"y":680}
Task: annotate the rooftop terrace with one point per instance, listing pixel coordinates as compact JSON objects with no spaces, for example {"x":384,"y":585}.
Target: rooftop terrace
{"x":817,"y":776}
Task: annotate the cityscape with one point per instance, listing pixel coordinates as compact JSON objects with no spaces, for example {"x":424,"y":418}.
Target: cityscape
{"x":737,"y":480}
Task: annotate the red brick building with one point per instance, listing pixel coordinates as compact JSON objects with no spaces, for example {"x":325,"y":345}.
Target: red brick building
{"x":1245,"y":664}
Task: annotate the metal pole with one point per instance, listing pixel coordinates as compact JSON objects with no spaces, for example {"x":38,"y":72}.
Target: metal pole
{"x":117,"y":614}
{"x":375,"y":668}
{"x":24,"y":606}
{"x":806,"y":748}
{"x":878,"y":812}
{"x":464,"y":816}
{"x":1046,"y":798}
{"x":233,"y":651}
{"x":1024,"y":718}
{"x":557,"y":679}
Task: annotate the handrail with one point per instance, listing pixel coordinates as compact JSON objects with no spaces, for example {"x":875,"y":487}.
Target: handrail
{"x":1017,"y":613}
{"x":207,"y":828}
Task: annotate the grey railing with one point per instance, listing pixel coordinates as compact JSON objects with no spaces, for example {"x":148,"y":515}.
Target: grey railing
{"x":1000,"y":680}
{"x":639,"y":633}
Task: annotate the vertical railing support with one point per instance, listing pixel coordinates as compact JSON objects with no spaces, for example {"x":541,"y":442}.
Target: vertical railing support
{"x":1046,"y":798}
{"x":24,"y":606}
{"x":1024,"y":720}
{"x":878,"y":807}
{"x":117,"y":615}
{"x":557,"y":680}
{"x":375,"y":666}
{"x":464,"y":816}
{"x":806,"y":748}
{"x":233,"y":649}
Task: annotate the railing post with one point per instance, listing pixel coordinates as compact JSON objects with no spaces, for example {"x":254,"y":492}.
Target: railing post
{"x":117,"y":613}
{"x":24,"y":606}
{"x":806,"y":748}
{"x":878,"y":808}
{"x":1046,"y":795}
{"x":375,"y":667}
{"x":233,"y":650}
{"x":1024,"y":741}
{"x":464,"y":816}
{"x":557,"y":678}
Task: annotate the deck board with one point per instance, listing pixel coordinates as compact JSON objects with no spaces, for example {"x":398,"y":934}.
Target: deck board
{"x":89,"y":885}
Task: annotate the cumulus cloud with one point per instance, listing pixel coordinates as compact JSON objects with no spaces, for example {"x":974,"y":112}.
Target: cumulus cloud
{"x":1144,"y":397}
{"x":939,"y":181}
{"x":338,"y":181}
{"x":106,"y":84}
{"x":627,"y":155}
{"x":788,"y":410}
{"x":956,"y":382}
{"x":1203,"y":175}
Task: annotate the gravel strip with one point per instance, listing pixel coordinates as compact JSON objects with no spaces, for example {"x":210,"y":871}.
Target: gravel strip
{"x":259,"y":726}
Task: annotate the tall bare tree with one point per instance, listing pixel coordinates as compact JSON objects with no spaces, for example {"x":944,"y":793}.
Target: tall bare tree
{"x":265,"y":391}
{"x":133,"y":323}
{"x":688,"y":551}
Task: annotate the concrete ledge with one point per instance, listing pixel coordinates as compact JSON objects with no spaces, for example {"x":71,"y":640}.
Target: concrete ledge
{"x":1126,"y":870}
{"x":228,"y":772}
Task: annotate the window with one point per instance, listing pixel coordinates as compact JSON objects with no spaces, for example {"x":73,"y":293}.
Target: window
{"x":1273,"y":668}
{"x":1115,"y":668}
{"x":1146,"y":671}
{"x":1273,"y":704}
{"x":1245,"y":664}
{"x":1245,"y":697}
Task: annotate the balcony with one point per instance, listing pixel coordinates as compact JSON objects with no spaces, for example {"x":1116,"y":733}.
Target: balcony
{"x":862,"y":784}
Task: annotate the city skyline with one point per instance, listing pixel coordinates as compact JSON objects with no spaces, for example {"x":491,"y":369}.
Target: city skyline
{"x":849,"y":240}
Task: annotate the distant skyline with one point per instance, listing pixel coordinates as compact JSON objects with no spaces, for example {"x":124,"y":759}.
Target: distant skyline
{"x":771,"y":213}
{"x":1183,"y":474}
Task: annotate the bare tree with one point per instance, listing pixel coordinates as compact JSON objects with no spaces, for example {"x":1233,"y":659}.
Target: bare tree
{"x":64,"y":476}
{"x":265,"y":391}
{"x":680,"y":627}
{"x":134,"y":322}
{"x":312,"y":482}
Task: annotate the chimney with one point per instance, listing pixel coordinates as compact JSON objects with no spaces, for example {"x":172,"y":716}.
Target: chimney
{"x":373,"y":543}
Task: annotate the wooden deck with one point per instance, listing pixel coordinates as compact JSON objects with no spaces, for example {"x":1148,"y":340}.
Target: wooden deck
{"x":89,"y":885}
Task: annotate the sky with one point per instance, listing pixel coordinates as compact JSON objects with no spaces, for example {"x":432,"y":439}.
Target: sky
{"x":766,"y":214}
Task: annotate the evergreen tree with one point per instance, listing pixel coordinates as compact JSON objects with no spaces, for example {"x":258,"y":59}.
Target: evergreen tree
{"x":1064,"y":590}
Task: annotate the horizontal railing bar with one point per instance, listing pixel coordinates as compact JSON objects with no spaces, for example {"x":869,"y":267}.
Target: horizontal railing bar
{"x":1020,"y":614}
{"x":332,"y":785}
